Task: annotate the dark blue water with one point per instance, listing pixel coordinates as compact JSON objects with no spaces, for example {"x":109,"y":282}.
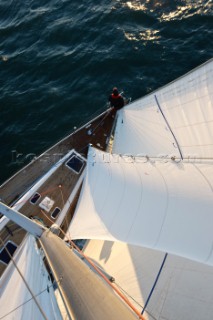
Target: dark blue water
{"x":60,"y":59}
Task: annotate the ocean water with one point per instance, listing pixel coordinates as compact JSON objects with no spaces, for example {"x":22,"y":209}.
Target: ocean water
{"x":60,"y":59}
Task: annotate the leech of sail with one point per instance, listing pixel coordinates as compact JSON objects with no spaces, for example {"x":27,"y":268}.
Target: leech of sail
{"x":155,"y":283}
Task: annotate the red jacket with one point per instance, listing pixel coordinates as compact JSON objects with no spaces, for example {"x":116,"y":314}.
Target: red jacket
{"x":116,"y":101}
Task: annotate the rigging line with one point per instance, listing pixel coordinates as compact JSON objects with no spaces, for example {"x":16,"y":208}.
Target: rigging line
{"x":158,"y":104}
{"x":25,"y":282}
{"x":148,"y":312}
{"x":25,"y":302}
{"x":131,"y":297}
{"x":122,"y":296}
{"x":91,"y":131}
{"x":155,"y":283}
{"x":96,"y":113}
{"x":62,"y":196}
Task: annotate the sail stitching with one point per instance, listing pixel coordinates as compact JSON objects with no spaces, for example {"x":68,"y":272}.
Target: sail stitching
{"x":167,"y":204}
{"x":145,"y":129}
{"x":140,"y":202}
{"x":121,"y":197}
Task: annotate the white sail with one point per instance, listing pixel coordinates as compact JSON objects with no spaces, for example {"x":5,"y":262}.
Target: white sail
{"x":16,"y":300}
{"x":184,"y":288}
{"x":165,"y":205}
{"x":176,"y":119}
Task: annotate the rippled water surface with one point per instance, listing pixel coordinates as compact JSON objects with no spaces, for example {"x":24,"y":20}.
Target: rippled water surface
{"x":60,"y":59}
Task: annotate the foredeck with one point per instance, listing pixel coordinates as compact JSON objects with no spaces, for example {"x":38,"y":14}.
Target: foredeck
{"x":79,"y":140}
{"x":58,"y":186}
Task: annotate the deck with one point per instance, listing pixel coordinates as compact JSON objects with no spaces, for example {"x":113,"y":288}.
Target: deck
{"x":79,"y":140}
{"x":58,"y":186}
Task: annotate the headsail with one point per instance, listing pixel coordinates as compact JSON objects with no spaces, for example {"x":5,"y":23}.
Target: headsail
{"x":163,"y":204}
{"x":176,"y":119}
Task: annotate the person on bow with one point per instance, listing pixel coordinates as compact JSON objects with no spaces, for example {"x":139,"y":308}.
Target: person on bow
{"x":116,"y":100}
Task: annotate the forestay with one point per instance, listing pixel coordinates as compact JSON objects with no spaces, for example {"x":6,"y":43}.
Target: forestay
{"x":16,"y":301}
{"x":174,"y":120}
{"x":164,"y":205}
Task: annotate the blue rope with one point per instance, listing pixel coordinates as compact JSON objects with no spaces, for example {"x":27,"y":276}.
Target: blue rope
{"x":155,"y":283}
{"x":158,"y":104}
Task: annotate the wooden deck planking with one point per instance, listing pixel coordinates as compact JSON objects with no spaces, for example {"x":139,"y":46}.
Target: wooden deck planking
{"x":63,"y":177}
{"x":79,"y":140}
{"x":24,"y":179}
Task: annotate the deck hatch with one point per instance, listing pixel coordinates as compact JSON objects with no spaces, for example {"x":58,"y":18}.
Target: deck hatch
{"x":75,"y":163}
{"x":55,"y":212}
{"x":4,"y":256}
{"x":46,"y":204}
{"x":35,"y":198}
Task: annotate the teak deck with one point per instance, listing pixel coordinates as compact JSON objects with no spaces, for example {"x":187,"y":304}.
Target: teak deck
{"x":79,"y":140}
{"x":59,"y":185}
